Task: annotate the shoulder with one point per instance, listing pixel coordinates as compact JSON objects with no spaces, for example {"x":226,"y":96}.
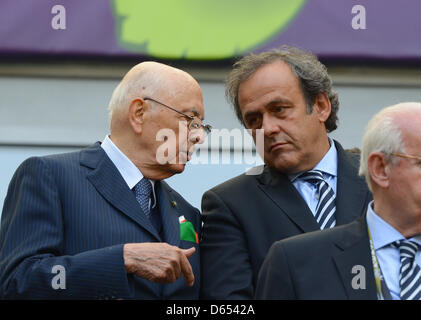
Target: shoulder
{"x":55,"y":164}
{"x":308,"y":240}
{"x":318,"y":242}
{"x":43,"y":163}
{"x":62,"y":158}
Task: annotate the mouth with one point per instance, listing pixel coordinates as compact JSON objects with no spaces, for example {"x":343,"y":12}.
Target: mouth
{"x":277,"y":146}
{"x":185,"y":156}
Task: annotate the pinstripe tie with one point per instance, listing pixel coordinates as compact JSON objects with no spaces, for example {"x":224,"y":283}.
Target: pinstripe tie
{"x":325,"y":210}
{"x":143,"y":191}
{"x":410,"y":272}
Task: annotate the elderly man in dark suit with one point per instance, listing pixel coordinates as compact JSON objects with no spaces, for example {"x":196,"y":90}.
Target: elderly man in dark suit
{"x":308,"y":182}
{"x":377,"y":256}
{"x":101,"y":223}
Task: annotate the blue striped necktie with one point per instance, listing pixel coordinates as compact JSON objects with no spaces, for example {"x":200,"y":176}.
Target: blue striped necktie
{"x":325,"y":210}
{"x":410,"y":272}
{"x":143,"y":192}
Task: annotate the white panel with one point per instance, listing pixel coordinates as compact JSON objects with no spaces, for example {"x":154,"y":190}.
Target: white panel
{"x":74,"y":111}
{"x":359,"y":104}
{"x":53,"y":111}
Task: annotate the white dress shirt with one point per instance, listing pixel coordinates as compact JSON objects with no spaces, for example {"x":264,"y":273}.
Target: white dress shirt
{"x":130,"y":173}
{"x":329,"y":167}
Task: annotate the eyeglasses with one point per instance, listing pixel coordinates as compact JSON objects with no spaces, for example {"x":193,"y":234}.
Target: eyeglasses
{"x":194,"y":122}
{"x":403,"y":155}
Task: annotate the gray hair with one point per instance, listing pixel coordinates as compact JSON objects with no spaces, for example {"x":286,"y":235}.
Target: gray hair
{"x":311,"y":73}
{"x":145,"y":83}
{"x":383,"y":134}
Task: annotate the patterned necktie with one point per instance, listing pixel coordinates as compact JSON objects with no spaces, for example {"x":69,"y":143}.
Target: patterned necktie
{"x":410,"y":272}
{"x":143,"y":191}
{"x":325,"y":210}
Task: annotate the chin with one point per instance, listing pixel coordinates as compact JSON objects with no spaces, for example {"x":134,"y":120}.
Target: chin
{"x":168,"y":171}
{"x":283,"y":165}
{"x":177,"y":168}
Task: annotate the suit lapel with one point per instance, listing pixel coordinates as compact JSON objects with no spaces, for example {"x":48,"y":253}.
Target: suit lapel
{"x":280,"y":190}
{"x":351,"y":195}
{"x":169,"y":214}
{"x":355,"y":252}
{"x":351,"y":189}
{"x":110,"y":184}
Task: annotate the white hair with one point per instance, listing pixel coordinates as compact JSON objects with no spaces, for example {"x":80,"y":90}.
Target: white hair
{"x":144,"y":83}
{"x":384,"y":135}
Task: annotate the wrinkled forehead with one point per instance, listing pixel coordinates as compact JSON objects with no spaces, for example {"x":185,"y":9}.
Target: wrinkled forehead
{"x":184,"y":95}
{"x":410,"y":127}
{"x":408,"y":124}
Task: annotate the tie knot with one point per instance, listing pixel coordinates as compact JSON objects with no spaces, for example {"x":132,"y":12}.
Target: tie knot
{"x":407,"y":248}
{"x":312,"y":176}
{"x":143,"y":187}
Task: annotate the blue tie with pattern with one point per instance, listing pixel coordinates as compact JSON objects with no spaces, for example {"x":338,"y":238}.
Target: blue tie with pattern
{"x":410,"y":272}
{"x":143,"y":191}
{"x":325,"y":210}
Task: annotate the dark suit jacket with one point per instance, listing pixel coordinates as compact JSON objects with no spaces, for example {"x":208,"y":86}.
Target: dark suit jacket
{"x":75,"y":210}
{"x":319,"y":265}
{"x":245,"y":215}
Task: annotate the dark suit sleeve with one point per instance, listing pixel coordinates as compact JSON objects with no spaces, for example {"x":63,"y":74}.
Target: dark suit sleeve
{"x":31,"y":243}
{"x":275,"y":281}
{"x":225,"y":262}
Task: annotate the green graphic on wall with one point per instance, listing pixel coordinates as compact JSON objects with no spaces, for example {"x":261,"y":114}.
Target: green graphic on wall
{"x":200,"y":29}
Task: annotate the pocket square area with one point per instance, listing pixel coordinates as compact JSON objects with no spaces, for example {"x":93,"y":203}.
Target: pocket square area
{"x":187,"y":231}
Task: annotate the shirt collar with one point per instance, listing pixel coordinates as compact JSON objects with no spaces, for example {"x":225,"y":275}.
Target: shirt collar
{"x":382,"y":233}
{"x":130,"y":173}
{"x":328,"y":164}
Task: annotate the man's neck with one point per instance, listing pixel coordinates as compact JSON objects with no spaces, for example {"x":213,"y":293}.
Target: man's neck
{"x":147,"y":165}
{"x":322,"y":149}
{"x":408,"y":224}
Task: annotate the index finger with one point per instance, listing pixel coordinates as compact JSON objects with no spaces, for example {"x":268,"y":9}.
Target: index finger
{"x":189,"y":252}
{"x":187,"y":270}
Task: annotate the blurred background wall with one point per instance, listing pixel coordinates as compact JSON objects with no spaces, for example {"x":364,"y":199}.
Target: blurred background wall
{"x":55,"y":84}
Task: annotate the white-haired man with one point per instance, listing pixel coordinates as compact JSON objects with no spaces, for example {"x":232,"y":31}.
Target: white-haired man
{"x":377,"y":256}
{"x":101,"y":223}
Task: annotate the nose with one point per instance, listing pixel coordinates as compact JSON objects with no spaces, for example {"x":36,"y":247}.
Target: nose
{"x":270,"y":125}
{"x":197,"y":136}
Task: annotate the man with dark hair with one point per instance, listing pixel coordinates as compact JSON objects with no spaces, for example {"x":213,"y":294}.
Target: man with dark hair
{"x":308,"y":182}
{"x":377,"y":256}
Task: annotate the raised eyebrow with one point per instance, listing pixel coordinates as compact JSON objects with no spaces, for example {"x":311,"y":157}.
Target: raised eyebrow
{"x":269,"y":104}
{"x":196,"y":114}
{"x":278,"y":101}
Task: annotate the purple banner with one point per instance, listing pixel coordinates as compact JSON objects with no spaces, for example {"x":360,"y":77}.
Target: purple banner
{"x":211,"y":30}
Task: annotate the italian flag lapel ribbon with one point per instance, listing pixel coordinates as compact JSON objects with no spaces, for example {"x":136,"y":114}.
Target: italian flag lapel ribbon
{"x":187,"y":231}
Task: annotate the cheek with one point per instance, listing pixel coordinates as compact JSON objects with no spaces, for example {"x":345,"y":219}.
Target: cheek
{"x":309,"y":131}
{"x":295,"y":128}
{"x":413,"y":183}
{"x":402,"y":184}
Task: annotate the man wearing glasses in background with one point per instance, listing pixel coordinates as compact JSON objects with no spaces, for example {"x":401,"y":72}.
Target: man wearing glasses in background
{"x":101,"y":223}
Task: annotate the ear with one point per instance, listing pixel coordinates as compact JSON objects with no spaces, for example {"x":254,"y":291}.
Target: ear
{"x":322,"y":106}
{"x":378,"y":168}
{"x":136,"y":115}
